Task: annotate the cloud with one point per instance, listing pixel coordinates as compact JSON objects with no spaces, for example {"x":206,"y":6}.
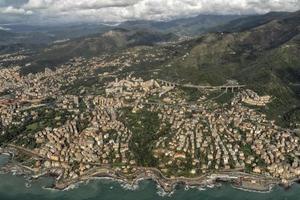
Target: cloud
{"x":5,"y":3}
{"x":78,"y":4}
{"x":16,"y":11}
{"x":122,"y":10}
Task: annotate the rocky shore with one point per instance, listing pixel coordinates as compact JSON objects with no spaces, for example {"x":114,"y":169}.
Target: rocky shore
{"x":241,"y":180}
{"x":168,"y":185}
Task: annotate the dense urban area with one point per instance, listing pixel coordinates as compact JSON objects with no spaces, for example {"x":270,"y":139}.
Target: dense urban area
{"x":179,"y":102}
{"x":92,"y":117}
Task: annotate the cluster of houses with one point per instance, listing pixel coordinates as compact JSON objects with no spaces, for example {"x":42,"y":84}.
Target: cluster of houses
{"x":202,"y":136}
{"x":250,"y":97}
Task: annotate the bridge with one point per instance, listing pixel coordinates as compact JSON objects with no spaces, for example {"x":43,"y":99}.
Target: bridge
{"x":167,"y":83}
{"x":175,"y":106}
{"x":295,"y":84}
{"x":202,"y":87}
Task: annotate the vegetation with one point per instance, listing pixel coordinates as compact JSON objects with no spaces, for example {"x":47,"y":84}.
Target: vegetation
{"x":90,"y":85}
{"x":23,"y":134}
{"x":192,"y":94}
{"x":269,"y":65}
{"x":145,"y":128}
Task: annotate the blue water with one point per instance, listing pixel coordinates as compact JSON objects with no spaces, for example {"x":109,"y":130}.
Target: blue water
{"x":14,"y":188}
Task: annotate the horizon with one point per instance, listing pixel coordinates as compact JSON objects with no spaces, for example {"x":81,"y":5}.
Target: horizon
{"x":54,"y":12}
{"x":6,"y":26}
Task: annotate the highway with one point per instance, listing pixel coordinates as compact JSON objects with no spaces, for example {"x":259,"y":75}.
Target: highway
{"x":202,"y":87}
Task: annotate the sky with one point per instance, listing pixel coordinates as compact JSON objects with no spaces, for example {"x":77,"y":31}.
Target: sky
{"x":66,"y":11}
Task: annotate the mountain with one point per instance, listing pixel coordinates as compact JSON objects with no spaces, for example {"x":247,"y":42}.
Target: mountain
{"x":96,"y":45}
{"x":60,"y":32}
{"x":13,"y":41}
{"x":38,"y":34}
{"x":191,"y":26}
{"x":264,"y":57}
{"x":6,"y":35}
{"x":248,"y":22}
{"x":109,"y":42}
{"x":28,"y":36}
{"x":23,"y":36}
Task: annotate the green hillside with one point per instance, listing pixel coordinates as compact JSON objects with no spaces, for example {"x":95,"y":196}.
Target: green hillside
{"x":107,"y":43}
{"x":190,"y":26}
{"x":265,"y":58}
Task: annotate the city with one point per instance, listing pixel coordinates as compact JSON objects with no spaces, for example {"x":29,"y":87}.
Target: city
{"x":182,"y":130}
{"x":149,"y":99}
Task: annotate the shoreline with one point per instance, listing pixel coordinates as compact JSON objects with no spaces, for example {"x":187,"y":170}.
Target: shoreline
{"x":166,"y":185}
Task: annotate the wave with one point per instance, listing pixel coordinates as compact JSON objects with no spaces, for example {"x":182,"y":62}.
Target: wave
{"x":161,"y":192}
{"x":73,"y":186}
{"x":254,"y":191}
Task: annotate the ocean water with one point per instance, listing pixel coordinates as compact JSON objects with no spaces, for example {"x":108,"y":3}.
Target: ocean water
{"x":17,"y":188}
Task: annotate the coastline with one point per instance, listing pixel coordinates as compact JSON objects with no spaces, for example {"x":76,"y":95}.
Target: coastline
{"x":166,"y":185}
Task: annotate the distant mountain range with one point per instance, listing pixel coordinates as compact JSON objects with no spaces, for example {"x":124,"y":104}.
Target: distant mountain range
{"x":43,"y":35}
{"x":184,"y":27}
{"x":193,"y":26}
{"x":248,"y":22}
{"x":95,"y":45}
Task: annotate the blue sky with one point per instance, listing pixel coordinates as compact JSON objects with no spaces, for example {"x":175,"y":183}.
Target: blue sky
{"x":56,"y":11}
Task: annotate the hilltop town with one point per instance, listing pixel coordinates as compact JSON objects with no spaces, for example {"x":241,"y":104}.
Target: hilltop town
{"x":93,"y":117}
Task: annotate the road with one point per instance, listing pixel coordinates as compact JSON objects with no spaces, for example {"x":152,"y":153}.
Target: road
{"x":100,"y":170}
{"x":221,"y":87}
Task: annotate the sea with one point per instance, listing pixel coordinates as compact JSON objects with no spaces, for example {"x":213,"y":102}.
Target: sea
{"x":14,"y":187}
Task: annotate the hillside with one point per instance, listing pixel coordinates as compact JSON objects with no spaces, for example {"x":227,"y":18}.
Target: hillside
{"x":25,"y":35}
{"x":248,"y":22}
{"x":265,"y":57}
{"x":96,"y":45}
{"x":5,"y":36}
{"x":191,"y":26}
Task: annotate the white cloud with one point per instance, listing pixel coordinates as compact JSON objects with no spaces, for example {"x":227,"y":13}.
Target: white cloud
{"x":120,"y":10}
{"x":16,"y":11}
{"x":39,"y":4}
{"x":77,"y":4}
